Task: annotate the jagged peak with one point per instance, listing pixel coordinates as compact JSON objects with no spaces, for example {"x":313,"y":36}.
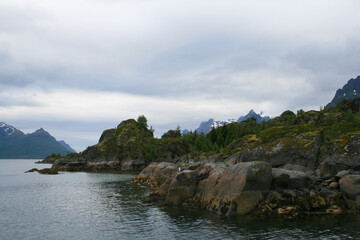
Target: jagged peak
{"x":40,"y":130}
{"x":350,"y":90}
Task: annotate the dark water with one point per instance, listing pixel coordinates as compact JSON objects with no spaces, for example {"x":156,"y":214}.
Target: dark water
{"x":109,"y":206}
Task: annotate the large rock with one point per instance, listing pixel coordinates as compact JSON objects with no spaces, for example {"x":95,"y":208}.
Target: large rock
{"x":182,"y":187}
{"x":329,"y":167}
{"x":157,"y":174}
{"x":350,"y":186}
{"x":234,"y":189}
{"x":289,"y":179}
{"x":218,"y":187}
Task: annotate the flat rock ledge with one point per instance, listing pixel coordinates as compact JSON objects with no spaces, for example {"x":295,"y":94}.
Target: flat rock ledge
{"x":250,"y":188}
{"x":44,"y":171}
{"x":100,"y":165}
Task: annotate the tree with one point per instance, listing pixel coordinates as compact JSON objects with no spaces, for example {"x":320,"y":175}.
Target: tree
{"x":142,"y":122}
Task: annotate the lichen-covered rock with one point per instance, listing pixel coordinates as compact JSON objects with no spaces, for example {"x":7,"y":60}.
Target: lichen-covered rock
{"x":156,"y":174}
{"x":299,"y":149}
{"x":107,"y":134}
{"x":344,"y":155}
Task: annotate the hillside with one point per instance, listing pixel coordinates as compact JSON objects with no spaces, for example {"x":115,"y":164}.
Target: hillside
{"x":304,"y":139}
{"x":130,"y":146}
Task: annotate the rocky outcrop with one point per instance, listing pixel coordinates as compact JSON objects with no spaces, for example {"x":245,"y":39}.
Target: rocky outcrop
{"x":129,"y":147}
{"x":220,"y":188}
{"x":343,"y":155}
{"x":107,"y":134}
{"x":105,"y":165}
{"x":122,"y":149}
{"x":250,"y":188}
{"x":234,"y":189}
{"x":296,"y":149}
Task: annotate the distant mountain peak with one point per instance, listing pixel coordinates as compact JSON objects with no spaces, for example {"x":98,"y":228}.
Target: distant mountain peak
{"x":206,"y":126}
{"x":251,"y":114}
{"x":8,"y":130}
{"x":350,"y":90}
{"x":41,"y":131}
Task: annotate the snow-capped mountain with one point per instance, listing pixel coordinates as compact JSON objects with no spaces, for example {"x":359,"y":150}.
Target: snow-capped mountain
{"x":206,"y":126}
{"x":8,"y":130}
{"x":251,"y":114}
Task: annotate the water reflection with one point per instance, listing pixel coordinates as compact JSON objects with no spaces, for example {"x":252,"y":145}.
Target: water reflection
{"x":124,"y":198}
{"x":109,"y":206}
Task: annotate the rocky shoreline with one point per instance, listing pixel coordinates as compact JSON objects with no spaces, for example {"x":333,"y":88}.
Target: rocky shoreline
{"x":292,"y":166}
{"x":253,"y":188}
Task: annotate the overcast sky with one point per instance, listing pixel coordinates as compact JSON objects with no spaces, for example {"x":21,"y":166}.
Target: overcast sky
{"x":77,"y":67}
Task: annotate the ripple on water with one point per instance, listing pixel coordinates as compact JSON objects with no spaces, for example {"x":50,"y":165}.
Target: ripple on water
{"x":109,"y":206}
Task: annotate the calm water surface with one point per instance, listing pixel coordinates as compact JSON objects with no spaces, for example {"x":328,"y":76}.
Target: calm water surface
{"x":109,"y":206}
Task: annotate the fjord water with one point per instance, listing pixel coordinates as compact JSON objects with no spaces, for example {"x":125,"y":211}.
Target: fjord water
{"x":109,"y":206}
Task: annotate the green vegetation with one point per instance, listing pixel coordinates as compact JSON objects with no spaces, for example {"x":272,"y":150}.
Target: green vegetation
{"x":134,"y":139}
{"x":297,"y":130}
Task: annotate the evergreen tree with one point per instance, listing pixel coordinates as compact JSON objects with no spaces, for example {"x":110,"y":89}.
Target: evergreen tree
{"x":142,"y":122}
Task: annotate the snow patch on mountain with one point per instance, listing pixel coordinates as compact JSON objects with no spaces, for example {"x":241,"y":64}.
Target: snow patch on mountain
{"x":8,"y":130}
{"x":206,"y":126}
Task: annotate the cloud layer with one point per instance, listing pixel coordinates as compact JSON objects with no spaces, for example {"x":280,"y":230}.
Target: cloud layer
{"x":94,"y":63}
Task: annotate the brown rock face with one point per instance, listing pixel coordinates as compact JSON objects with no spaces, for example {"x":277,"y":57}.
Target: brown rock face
{"x":234,"y":189}
{"x":350,"y":186}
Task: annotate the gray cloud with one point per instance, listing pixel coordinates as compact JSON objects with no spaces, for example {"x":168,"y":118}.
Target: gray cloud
{"x":266,"y":55}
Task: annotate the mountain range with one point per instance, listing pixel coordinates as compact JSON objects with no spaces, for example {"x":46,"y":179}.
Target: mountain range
{"x":39,"y":144}
{"x":206,"y":126}
{"x":350,"y":90}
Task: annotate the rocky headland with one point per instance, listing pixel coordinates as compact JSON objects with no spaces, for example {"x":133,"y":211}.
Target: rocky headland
{"x":292,"y":165}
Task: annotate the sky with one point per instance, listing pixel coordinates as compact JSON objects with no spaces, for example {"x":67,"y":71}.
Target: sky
{"x":78,"y":67}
